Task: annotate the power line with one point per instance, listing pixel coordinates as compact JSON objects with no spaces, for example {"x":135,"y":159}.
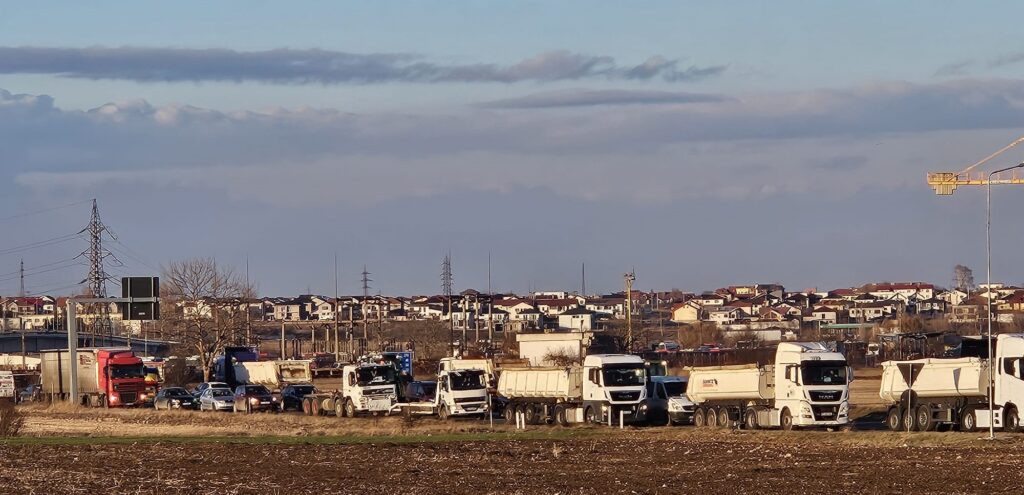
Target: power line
{"x":46,"y":210}
{"x":40,"y":244}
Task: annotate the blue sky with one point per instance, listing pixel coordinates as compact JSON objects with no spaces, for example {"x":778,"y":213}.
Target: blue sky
{"x":705,"y":144}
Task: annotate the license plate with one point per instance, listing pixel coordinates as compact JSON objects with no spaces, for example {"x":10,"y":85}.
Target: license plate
{"x":264,"y":403}
{"x":826,"y":414}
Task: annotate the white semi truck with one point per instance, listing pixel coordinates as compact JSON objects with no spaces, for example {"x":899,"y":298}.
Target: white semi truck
{"x":807,"y":386}
{"x":606,"y":389}
{"x":929,"y":394}
{"x":365,"y":388}
{"x":459,"y":393}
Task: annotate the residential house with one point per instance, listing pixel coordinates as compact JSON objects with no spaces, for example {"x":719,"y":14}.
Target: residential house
{"x":577,"y":319}
{"x":688,"y":312}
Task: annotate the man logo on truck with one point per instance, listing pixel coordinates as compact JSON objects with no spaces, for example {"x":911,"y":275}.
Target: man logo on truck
{"x":710,"y":382}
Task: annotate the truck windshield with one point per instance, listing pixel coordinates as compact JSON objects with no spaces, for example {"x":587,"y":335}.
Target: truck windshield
{"x":623,"y":375}
{"x":675,"y":389}
{"x":376,"y":375}
{"x":467,"y":380}
{"x":126,"y":371}
{"x":824,"y":372}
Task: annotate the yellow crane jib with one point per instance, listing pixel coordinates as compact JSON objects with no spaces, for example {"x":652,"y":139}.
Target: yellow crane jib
{"x":944,"y":183}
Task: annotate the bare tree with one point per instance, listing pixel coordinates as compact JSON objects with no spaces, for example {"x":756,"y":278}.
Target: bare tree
{"x":963,"y":277}
{"x":204,"y":307}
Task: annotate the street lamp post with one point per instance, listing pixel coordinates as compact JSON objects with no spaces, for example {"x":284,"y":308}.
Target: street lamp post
{"x":988,"y":270}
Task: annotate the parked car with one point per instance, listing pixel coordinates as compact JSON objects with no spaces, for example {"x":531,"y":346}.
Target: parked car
{"x":421,"y":391}
{"x":668,"y":346}
{"x":216,"y":399}
{"x":198,"y":391}
{"x":667,"y":403}
{"x":30,"y":393}
{"x":251,"y":398}
{"x":174,"y":398}
{"x":291,"y":396}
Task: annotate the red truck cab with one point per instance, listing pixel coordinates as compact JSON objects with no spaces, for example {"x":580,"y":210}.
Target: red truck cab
{"x":121,"y":377}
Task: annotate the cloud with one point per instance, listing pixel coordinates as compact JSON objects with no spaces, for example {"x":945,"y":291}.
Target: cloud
{"x":292,"y":66}
{"x":954,"y":69}
{"x":754,"y":145}
{"x":588,"y":98}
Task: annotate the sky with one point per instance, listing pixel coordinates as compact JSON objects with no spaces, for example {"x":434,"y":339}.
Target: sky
{"x":699,"y":144}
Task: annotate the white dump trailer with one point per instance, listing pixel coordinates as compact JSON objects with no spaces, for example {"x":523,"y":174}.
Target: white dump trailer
{"x":807,"y":385}
{"x":608,"y":388}
{"x":929,"y":394}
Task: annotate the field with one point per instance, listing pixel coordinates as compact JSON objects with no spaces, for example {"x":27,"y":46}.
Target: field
{"x":82,"y":451}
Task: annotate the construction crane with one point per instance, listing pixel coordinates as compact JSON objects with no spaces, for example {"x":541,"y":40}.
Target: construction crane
{"x":944,"y":183}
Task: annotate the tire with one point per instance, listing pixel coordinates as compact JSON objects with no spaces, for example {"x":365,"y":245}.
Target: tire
{"x":531,"y":415}
{"x":1011,"y":420}
{"x":668,"y":420}
{"x":786,"y":420}
{"x":339,"y":410}
{"x":350,"y":409}
{"x":723,"y":418}
{"x":969,"y":421}
{"x":924,"y":418}
{"x":699,"y":418}
{"x":317,"y":408}
{"x":560,"y":417}
{"x":590,"y":415}
{"x":909,"y":420}
{"x":894,"y":420}
{"x":307,"y":407}
{"x":750,"y":418}
{"x":510,"y":414}
{"x":711,"y":417}
{"x":442,"y":412}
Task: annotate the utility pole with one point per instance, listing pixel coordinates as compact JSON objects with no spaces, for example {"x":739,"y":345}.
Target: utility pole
{"x":446,"y":288}
{"x":21,"y":273}
{"x":583,"y":285}
{"x":247,"y":296}
{"x":490,"y":305}
{"x":366,"y":295}
{"x":629,"y":279}
{"x":337,"y":309}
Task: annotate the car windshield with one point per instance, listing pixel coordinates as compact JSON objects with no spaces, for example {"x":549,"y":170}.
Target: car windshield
{"x":675,"y":389}
{"x":257,"y":390}
{"x":220,"y":392}
{"x":303,"y":390}
{"x":428,"y":389}
{"x":176,"y":392}
{"x":126,"y":371}
{"x":623,"y":375}
{"x":823,"y":372}
{"x":376,"y":375}
{"x":467,"y":380}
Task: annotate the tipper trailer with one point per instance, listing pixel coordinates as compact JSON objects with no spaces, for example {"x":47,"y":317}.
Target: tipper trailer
{"x":929,"y":394}
{"x":806,"y":386}
{"x":606,"y":389}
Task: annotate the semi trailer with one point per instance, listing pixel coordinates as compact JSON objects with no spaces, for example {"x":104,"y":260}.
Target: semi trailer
{"x":107,"y":377}
{"x":607,"y":388}
{"x":930,"y":394}
{"x":806,"y":386}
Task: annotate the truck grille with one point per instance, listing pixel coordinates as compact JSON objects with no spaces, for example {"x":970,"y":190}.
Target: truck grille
{"x":129,"y":397}
{"x":825,"y":395}
{"x":624,"y":396}
{"x":461,"y":400}
{"x":825,"y":413}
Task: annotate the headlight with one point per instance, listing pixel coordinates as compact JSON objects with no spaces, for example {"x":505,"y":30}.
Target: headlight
{"x":143,"y":397}
{"x":175,"y":402}
{"x":643,"y":407}
{"x":254,"y":401}
{"x":114,"y":398}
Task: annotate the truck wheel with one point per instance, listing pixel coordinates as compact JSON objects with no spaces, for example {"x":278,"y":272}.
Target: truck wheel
{"x":909,"y":420}
{"x":750,"y":418}
{"x":560,"y":416}
{"x":1011,"y":420}
{"x":307,"y":407}
{"x":698,"y":418}
{"x":894,"y":420}
{"x":350,"y":408}
{"x":969,"y":421}
{"x":711,"y":417}
{"x":590,"y":415}
{"x":723,"y":418}
{"x":530,"y":414}
{"x":786,"y":421}
{"x":442,"y":412}
{"x":510,"y":414}
{"x":924,"y":418}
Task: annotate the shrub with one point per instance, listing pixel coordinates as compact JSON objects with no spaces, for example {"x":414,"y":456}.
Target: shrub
{"x":11,"y":420}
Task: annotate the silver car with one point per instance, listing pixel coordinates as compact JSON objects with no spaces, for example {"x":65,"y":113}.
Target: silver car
{"x":217,"y":399}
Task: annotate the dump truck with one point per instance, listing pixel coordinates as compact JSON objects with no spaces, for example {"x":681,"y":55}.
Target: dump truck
{"x":806,"y":386}
{"x":365,"y":388}
{"x":930,"y":394}
{"x":608,"y":388}
{"x":107,"y":377}
{"x":273,"y":374}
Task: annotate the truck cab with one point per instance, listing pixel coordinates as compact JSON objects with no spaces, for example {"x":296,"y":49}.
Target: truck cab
{"x":368,"y":388}
{"x":1009,"y":384}
{"x":122,"y":379}
{"x":812,"y":384}
{"x":461,"y":393}
{"x":614,"y":387}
